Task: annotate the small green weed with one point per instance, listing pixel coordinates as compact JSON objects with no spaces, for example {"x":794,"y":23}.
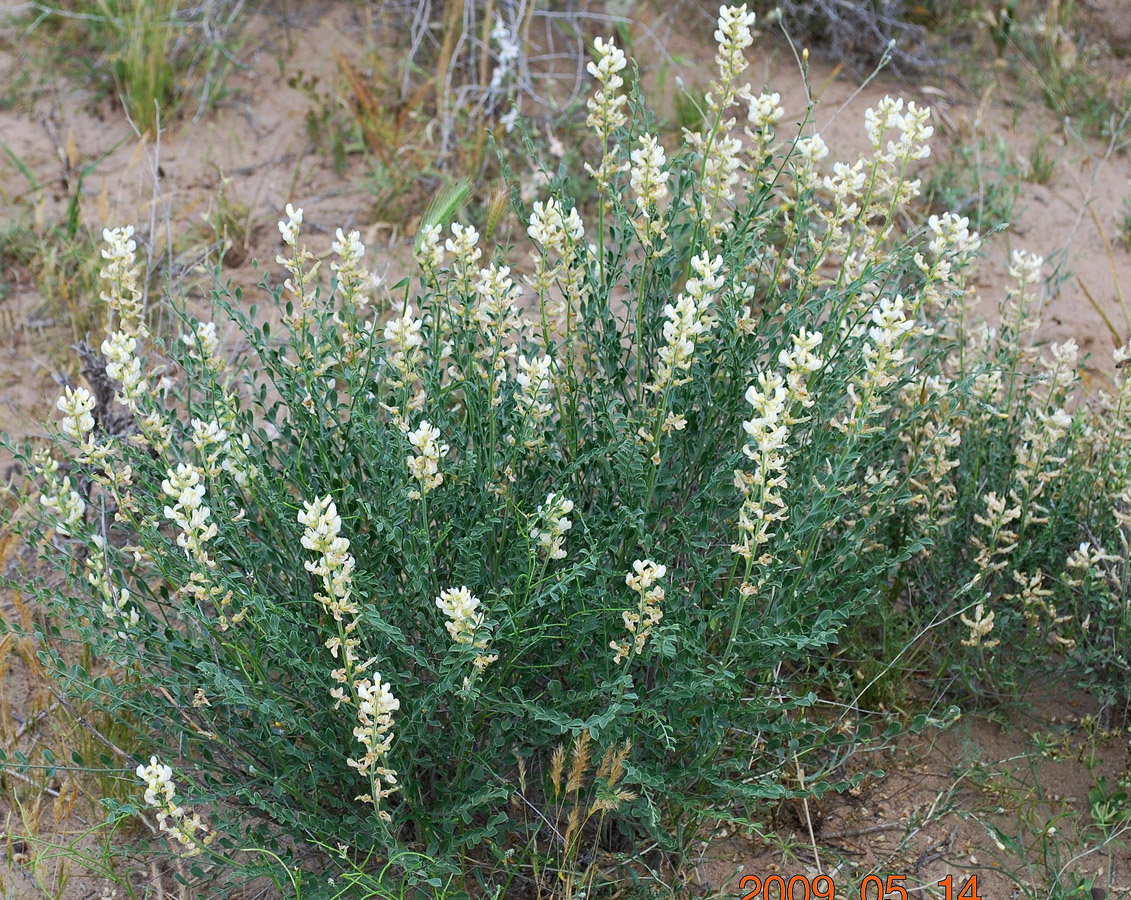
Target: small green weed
{"x":1123,"y":225}
{"x":980,"y":180}
{"x":60,"y":257}
{"x":152,"y":50}
{"x":1041,"y":165}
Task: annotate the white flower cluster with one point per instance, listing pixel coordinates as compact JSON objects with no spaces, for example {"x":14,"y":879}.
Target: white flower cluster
{"x":884,"y":356}
{"x":289,"y":228}
{"x":403,"y":335}
{"x":733,"y":36}
{"x":221,"y":447}
{"x":1034,"y":598}
{"x":845,"y":184}
{"x":1086,"y":557}
{"x":951,"y":247}
{"x":890,"y":184}
{"x":721,"y":164}
{"x":116,"y":606}
{"x":914,"y":132}
{"x":498,"y":318}
{"x":124,"y":366}
{"x":204,"y":344}
{"x":465,"y":623}
{"x":867,"y":194}
{"x":506,"y":56}
{"x":535,"y":379}
{"x":552,"y":525}
{"x":120,"y":347}
{"x":1025,"y":267}
{"x":424,"y":465}
{"x":189,"y":513}
{"x":1037,"y":460}
{"x":122,"y":293}
{"x":649,"y":181}
{"x":222,"y":451}
{"x":554,"y":229}
{"x":430,"y":252}
{"x":800,"y":360}
{"x":462,"y":610}
{"x":606,"y":112}
{"x":687,"y":321}
{"x":883,"y":352}
{"x":353,"y":278}
{"x":1061,"y":368}
{"x":559,"y":276}
{"x":951,"y":236}
{"x":300,"y":284}
{"x":160,"y":794}
{"x":981,"y":625}
{"x":774,"y":400}
{"x":463,"y":245}
{"x":640,"y":621}
{"x":1002,"y":540}
{"x":767,"y":434}
{"x":334,"y":564}
{"x":59,"y":497}
{"x":77,"y":406}
{"x":374,"y":731}
{"x":809,"y":152}
{"x":765,"y":111}
{"x":1019,"y":314}
{"x":717,"y":147}
{"x":373,"y":698}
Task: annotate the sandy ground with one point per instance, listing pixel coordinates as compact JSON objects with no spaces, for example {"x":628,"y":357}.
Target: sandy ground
{"x":935,"y":813}
{"x":974,"y":800}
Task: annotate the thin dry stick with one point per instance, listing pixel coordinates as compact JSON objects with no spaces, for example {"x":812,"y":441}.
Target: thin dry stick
{"x":23,"y":729}
{"x":81,"y":720}
{"x":1110,"y":252}
{"x":485,"y":40}
{"x":808,"y":817}
{"x":17,"y":775}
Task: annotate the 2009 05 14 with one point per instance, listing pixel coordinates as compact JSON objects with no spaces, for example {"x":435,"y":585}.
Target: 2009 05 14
{"x":821,"y":887}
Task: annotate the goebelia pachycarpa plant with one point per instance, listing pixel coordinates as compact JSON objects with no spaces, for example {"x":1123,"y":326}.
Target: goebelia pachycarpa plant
{"x":358,"y":591}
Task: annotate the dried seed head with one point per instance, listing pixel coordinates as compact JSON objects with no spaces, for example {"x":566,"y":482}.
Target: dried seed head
{"x":578,"y":762}
{"x":557,"y":765}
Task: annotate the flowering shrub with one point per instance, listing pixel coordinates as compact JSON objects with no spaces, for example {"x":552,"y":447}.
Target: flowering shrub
{"x":365,"y":589}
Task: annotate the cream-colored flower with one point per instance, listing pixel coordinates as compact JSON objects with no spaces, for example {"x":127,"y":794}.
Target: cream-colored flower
{"x":76,"y":406}
{"x":403,"y":335}
{"x":189,"y":831}
{"x":981,"y":625}
{"x":185,"y":484}
{"x":552,"y":525}
{"x":648,"y":178}
{"x":66,"y":506}
{"x":424,"y":466}
{"x":353,"y":278}
{"x":733,"y":35}
{"x":462,"y":609}
{"x":430,"y":252}
{"x":639,"y":622}
{"x":204,"y":344}
{"x":606,"y":106}
{"x":289,"y":227}
{"x":123,"y":293}
{"x":688,"y":320}
{"x":335,"y":564}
